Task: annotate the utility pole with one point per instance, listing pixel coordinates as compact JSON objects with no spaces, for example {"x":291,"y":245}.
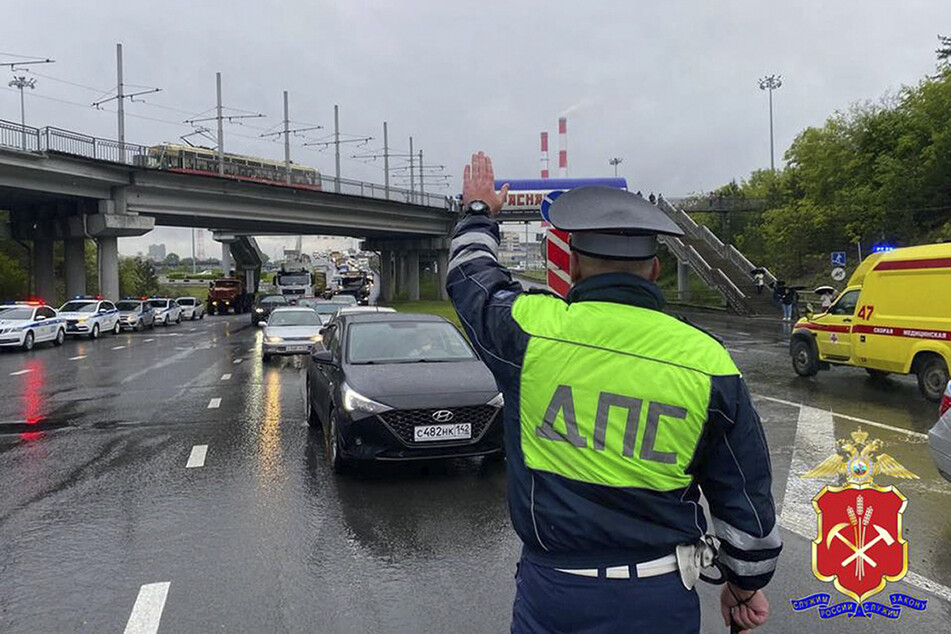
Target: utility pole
{"x":220,"y":118}
{"x":287,"y":143}
{"x":194,"y":263}
{"x":412,"y":190}
{"x":22,"y":82}
{"x":771,"y":83}
{"x":221,"y":131}
{"x":336,"y":143}
{"x":386,"y":160}
{"x":422,"y":187}
{"x":615,"y":162}
{"x":120,"y":97}
{"x":286,"y":133}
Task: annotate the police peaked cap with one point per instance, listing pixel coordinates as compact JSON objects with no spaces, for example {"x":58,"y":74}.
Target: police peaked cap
{"x":611,"y":223}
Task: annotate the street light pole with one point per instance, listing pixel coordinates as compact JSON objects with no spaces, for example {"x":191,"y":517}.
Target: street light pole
{"x":221,"y":132}
{"x":615,"y":162}
{"x":386,"y":160}
{"x":771,"y":83}
{"x":22,"y":82}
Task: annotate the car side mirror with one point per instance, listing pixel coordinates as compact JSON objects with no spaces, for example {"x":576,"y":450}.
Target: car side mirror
{"x":322,"y":356}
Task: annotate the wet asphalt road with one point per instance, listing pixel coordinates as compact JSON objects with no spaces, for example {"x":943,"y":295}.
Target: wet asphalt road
{"x":97,"y":500}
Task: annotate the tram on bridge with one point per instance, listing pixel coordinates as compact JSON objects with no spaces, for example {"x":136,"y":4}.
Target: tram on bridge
{"x":186,"y":159}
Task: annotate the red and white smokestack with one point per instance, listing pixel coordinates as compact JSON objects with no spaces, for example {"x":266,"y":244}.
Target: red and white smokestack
{"x":544,"y":155}
{"x":563,"y":147}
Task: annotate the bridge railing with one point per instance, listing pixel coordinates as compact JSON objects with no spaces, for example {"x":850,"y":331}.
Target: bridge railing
{"x":19,"y":136}
{"x":53,"y":139}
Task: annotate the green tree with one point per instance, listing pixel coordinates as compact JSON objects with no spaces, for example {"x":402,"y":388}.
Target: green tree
{"x":137,"y":278}
{"x":172,"y":261}
{"x":14,"y":279}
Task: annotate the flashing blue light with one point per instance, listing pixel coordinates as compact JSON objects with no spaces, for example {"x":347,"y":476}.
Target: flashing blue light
{"x":882,"y":247}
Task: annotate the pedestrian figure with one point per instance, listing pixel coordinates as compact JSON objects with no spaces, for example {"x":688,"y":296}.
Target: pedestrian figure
{"x":788,"y":300}
{"x":652,"y":198}
{"x":608,"y":515}
{"x":826,"y":302}
{"x":760,"y":280}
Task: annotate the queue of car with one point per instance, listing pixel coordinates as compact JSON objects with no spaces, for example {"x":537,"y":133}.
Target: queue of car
{"x":23,"y":324}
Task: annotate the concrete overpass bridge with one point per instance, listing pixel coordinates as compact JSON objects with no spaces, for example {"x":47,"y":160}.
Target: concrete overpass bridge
{"x":62,"y":185}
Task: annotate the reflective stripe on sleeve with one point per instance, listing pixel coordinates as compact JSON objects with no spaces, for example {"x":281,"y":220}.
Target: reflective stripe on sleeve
{"x":747,"y":568}
{"x":474,"y":237}
{"x":464,"y":257}
{"x":743,"y":540}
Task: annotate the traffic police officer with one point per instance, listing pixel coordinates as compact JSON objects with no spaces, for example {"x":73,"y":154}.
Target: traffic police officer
{"x":617,"y":417}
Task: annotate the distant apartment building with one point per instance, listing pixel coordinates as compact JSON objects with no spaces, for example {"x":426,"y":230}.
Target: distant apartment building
{"x":157,"y":252}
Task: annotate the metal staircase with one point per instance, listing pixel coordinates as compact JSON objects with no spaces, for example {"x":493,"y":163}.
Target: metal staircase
{"x":721,"y":266}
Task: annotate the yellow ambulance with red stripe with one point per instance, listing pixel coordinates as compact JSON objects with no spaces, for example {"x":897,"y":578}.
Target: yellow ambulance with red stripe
{"x":893,"y":317}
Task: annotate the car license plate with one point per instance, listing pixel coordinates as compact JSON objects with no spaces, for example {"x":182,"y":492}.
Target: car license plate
{"x":429,"y":433}
{"x":297,"y":348}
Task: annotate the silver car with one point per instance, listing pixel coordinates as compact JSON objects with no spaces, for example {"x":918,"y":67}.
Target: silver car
{"x":939,"y":438}
{"x":291,"y":330}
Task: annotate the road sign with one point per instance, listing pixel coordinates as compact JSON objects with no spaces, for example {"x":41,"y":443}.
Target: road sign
{"x":838,"y":274}
{"x":838,"y":258}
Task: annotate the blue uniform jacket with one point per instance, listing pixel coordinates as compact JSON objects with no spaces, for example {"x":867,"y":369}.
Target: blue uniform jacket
{"x":597,"y":526}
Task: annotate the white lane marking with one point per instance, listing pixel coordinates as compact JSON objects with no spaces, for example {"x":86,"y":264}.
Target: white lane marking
{"x":147,"y":611}
{"x":192,"y":330}
{"x":214,"y":403}
{"x":118,"y":347}
{"x":226,"y":376}
{"x":147,"y":340}
{"x":864,"y":421}
{"x":815,"y":440}
{"x":815,"y":436}
{"x":20,"y":372}
{"x":237,"y":361}
{"x":78,"y":357}
{"x":197,"y":456}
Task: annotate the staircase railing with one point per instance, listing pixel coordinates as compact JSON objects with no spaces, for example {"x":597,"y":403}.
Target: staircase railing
{"x":714,"y":278}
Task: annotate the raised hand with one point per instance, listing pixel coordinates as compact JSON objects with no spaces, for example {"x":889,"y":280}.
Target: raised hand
{"x":478,"y":183}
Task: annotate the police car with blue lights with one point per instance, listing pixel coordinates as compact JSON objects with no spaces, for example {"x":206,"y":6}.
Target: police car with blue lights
{"x":90,"y":316}
{"x":135,"y":314}
{"x":166,"y":311}
{"x":25,"y":324}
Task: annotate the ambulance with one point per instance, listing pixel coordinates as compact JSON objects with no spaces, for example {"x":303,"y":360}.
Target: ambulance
{"x":894,"y":317}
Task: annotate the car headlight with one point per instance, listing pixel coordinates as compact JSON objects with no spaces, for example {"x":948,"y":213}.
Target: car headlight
{"x":317,"y":338}
{"x":497,"y":401}
{"x":81,"y":321}
{"x":272,"y":339}
{"x":355,"y":402}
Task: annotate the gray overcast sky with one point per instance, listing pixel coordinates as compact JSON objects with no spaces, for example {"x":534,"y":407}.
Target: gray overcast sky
{"x":668,"y":85}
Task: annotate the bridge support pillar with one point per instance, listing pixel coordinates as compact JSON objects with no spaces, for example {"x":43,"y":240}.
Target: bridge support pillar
{"x":109,"y":267}
{"x":226,"y":262}
{"x":683,"y":282}
{"x":74,"y":266}
{"x":442,"y":268}
{"x":412,"y":274}
{"x":45,"y":282}
{"x":387,"y":276}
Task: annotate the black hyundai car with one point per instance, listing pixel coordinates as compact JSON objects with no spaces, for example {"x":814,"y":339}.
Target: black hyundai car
{"x":398,"y":386}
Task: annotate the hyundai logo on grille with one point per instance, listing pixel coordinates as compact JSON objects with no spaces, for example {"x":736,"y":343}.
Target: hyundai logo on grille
{"x":442,"y":416}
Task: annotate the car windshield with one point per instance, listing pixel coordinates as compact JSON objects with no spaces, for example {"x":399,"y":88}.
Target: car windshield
{"x":79,"y":307}
{"x":274,"y":299}
{"x":406,"y":342}
{"x":293,"y":278}
{"x":16,"y":313}
{"x":128,"y":305}
{"x":226,"y":284}
{"x":294,"y":318}
{"x":186,"y":301}
{"x":158,"y":303}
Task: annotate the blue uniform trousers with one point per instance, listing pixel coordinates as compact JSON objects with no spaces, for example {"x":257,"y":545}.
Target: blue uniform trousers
{"x":550,"y":601}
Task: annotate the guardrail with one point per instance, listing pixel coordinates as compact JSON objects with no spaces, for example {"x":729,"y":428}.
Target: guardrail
{"x":53,"y":139}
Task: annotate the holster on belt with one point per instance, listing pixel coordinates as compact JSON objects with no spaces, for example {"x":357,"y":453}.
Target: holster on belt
{"x":692,"y":559}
